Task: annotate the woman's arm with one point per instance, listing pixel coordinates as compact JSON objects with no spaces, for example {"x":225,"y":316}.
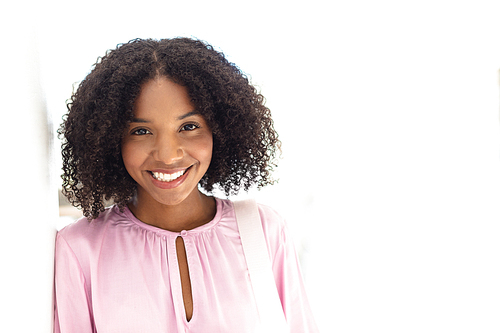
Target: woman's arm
{"x":73,"y":312}
{"x":291,"y":289}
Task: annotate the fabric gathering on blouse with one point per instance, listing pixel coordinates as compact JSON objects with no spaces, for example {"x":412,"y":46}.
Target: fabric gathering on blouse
{"x":118,"y":274}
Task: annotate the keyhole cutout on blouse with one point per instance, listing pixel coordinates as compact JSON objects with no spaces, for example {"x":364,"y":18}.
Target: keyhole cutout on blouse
{"x":185,"y":279}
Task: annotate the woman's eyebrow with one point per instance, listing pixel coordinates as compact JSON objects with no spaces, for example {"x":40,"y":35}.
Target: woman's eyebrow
{"x":140,"y":120}
{"x":184,"y":116}
{"x":189,"y":114}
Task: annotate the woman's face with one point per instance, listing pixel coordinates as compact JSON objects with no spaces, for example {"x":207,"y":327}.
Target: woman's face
{"x":167,"y":147}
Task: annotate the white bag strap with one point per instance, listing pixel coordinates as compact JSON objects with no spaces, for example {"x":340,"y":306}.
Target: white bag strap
{"x":259,"y":267}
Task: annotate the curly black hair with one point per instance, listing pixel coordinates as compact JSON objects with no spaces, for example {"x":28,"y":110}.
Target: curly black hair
{"x":245,"y":143}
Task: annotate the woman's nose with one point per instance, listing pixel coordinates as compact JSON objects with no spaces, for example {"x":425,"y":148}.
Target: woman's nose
{"x":168,"y":150}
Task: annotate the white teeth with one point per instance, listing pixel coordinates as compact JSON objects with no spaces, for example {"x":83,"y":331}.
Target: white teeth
{"x":168,"y":177}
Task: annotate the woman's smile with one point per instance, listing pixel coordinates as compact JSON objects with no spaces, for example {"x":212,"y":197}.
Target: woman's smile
{"x":166,"y":180}
{"x":167,"y":176}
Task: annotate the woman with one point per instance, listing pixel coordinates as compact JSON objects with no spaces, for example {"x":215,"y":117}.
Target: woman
{"x":153,"y":123}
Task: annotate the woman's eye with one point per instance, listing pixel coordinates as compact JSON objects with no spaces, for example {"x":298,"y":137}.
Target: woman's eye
{"x":141,"y":131}
{"x":189,"y":127}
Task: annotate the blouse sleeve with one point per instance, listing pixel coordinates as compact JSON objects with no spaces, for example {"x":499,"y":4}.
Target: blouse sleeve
{"x":290,"y":286}
{"x":72,"y":313}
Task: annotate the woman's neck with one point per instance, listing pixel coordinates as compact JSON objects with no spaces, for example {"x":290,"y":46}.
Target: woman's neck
{"x":196,"y":210}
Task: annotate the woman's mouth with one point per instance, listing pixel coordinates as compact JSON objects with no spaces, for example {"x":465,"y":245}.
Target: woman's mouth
{"x":168,"y":177}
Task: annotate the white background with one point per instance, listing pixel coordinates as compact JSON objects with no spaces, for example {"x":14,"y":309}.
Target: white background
{"x":389,"y":116}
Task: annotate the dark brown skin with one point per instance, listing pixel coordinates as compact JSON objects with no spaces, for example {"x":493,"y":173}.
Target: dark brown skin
{"x":166,"y":136}
{"x":185,"y":280}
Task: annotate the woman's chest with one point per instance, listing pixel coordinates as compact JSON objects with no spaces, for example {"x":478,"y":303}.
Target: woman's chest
{"x":141,"y":287}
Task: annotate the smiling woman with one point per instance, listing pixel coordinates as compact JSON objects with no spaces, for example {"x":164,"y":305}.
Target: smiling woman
{"x":101,"y":110}
{"x":151,"y":124}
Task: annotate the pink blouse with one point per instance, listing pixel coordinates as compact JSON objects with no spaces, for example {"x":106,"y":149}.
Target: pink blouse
{"x":118,"y":274}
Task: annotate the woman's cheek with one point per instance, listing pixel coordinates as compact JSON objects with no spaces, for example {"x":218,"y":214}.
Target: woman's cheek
{"x":133,"y":155}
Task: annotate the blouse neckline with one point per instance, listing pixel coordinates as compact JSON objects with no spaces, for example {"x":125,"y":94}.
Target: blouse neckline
{"x":205,"y":227}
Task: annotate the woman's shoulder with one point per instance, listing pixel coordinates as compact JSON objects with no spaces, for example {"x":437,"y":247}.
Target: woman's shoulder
{"x":84,"y":231}
{"x":273,"y":224}
{"x":270,"y":214}
{"x":266,"y":212}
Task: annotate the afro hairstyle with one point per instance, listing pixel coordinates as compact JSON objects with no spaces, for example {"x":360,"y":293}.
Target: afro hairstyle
{"x":245,"y":143}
